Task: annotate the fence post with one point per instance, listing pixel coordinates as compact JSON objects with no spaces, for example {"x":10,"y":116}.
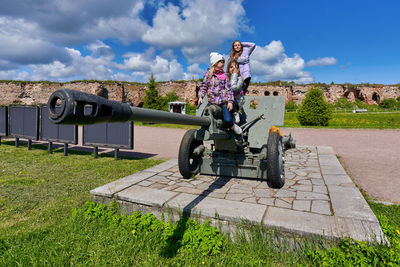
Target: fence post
{"x":65,"y":149}
{"x":50,"y":147}
{"x":96,"y":152}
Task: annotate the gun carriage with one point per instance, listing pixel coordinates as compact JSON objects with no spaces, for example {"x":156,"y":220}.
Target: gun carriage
{"x":212,"y":149}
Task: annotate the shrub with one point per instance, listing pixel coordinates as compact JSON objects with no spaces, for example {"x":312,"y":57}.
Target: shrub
{"x":163,"y":101}
{"x":291,"y":105}
{"x":344,"y":103}
{"x":190,"y":109}
{"x":388,"y":103}
{"x":314,"y":111}
{"x":361,"y":104}
{"x":398,"y":98}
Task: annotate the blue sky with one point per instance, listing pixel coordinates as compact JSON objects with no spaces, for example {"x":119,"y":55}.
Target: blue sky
{"x":301,"y":41}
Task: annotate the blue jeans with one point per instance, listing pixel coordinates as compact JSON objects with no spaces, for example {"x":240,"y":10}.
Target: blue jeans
{"x":227,"y":117}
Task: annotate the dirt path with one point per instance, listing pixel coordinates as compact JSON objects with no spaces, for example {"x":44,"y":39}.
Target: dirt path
{"x":371,"y":157}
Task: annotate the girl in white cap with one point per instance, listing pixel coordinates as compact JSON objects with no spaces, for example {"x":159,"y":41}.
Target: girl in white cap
{"x":218,"y":90}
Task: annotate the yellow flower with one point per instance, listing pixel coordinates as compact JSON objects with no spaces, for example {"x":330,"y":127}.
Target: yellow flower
{"x":203,"y":262}
{"x":398,"y":232}
{"x":19,"y":172}
{"x":133,"y":232}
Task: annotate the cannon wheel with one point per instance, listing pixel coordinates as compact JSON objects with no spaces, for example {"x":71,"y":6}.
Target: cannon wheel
{"x":187,"y":161}
{"x":275,"y":161}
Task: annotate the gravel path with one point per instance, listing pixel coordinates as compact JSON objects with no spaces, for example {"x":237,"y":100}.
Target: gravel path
{"x":370,"y":157}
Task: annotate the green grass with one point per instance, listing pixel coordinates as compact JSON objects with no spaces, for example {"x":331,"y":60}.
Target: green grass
{"x":377,"y":120}
{"x":353,"y":120}
{"x":38,"y":193}
{"x":38,"y":189}
{"x":166,"y":125}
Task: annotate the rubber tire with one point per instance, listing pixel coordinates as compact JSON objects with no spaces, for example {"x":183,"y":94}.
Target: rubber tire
{"x":188,"y":144}
{"x":275,"y":167}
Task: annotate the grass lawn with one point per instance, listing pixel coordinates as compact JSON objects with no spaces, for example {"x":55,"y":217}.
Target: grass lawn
{"x":378,"y":120}
{"x":39,"y":190}
{"x":44,"y":221}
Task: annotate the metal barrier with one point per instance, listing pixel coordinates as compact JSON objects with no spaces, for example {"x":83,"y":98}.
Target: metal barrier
{"x":66,"y":134}
{"x":24,"y":123}
{"x":33,"y":123}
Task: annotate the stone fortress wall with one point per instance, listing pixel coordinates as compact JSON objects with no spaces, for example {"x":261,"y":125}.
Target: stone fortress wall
{"x":14,"y":92}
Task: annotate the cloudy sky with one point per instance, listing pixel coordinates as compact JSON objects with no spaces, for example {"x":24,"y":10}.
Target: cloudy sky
{"x":302,"y":41}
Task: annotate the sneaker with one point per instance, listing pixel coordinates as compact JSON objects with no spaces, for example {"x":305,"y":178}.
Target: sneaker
{"x":237,"y":129}
{"x":237,"y":117}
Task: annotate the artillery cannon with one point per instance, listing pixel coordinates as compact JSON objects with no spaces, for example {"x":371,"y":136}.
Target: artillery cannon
{"x":211,"y":150}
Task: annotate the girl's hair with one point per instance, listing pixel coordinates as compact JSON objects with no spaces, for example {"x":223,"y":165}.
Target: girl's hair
{"x":228,"y":67}
{"x":211,"y":72}
{"x":233,"y":52}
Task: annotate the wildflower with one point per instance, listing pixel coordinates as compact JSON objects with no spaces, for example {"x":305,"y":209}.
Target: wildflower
{"x":20,"y":172}
{"x":398,"y":231}
{"x":203,"y":262}
{"x":133,"y":232}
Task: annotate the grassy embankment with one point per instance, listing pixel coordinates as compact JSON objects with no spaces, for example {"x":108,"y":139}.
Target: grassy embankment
{"x":38,"y":227}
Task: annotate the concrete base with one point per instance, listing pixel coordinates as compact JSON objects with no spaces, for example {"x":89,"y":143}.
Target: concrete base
{"x":318,"y":198}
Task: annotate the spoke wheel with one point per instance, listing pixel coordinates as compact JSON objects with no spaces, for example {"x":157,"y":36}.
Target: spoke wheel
{"x":187,"y":161}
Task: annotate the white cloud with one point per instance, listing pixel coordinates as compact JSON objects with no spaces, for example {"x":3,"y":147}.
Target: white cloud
{"x":271,"y":63}
{"x":97,"y":65}
{"x":20,"y":44}
{"x":14,"y":75}
{"x":71,"y":22}
{"x":325,"y":61}
{"x":197,"y":27}
{"x":100,"y":49}
{"x":41,"y":36}
{"x":195,"y":68}
{"x":194,"y":72}
{"x":142,"y":65}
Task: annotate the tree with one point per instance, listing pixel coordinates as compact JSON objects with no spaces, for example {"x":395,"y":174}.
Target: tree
{"x":314,"y":111}
{"x":152,"y":99}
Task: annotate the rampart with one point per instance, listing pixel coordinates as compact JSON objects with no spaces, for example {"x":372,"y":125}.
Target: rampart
{"x":13,"y":92}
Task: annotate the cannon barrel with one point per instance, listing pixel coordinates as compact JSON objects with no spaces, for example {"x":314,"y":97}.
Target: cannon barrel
{"x":67,"y":106}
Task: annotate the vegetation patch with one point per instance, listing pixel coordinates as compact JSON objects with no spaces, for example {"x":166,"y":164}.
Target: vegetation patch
{"x":368,"y":120}
{"x":38,"y":189}
{"x":37,"y":227}
{"x":314,"y":111}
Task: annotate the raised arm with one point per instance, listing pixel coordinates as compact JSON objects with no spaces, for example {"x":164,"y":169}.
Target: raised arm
{"x":236,"y":82}
{"x":228,"y":89}
{"x":250,"y":47}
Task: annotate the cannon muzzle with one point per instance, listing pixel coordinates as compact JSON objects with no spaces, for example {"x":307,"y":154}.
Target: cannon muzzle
{"x":74,"y":107}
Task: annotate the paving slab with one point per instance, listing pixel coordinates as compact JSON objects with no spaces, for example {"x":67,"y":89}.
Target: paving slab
{"x":218,"y":208}
{"x":318,"y":197}
{"x":146,"y":196}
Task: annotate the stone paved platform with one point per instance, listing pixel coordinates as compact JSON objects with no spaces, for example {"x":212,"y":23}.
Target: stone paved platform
{"x":318,"y":197}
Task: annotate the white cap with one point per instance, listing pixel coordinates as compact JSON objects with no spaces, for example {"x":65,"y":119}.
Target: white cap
{"x":215,"y":57}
